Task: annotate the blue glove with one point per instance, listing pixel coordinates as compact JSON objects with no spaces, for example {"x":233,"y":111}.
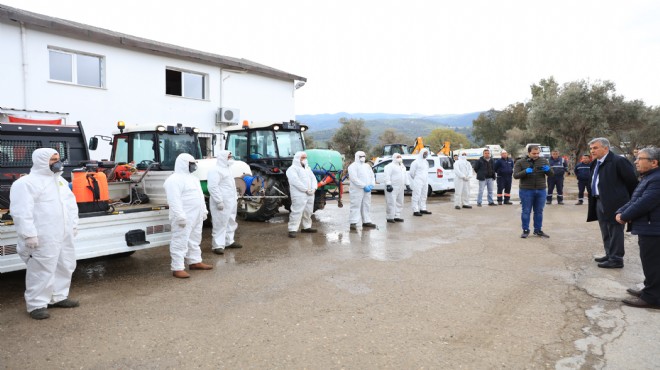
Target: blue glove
{"x":546,"y":168}
{"x":367,"y":188}
{"x":529,"y":170}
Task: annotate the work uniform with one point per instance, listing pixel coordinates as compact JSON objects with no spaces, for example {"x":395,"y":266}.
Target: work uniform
{"x":559,"y":167}
{"x":187,"y":213}
{"x":302,"y":187}
{"x":223,"y":202}
{"x":419,"y":173}
{"x":43,"y":207}
{"x":396,"y":177}
{"x":583,"y":174}
{"x":463,"y":173}
{"x":362,"y":180}
{"x":504,"y":169}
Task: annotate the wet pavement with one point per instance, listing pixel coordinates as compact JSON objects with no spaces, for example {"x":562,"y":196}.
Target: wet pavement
{"x":456,"y":289}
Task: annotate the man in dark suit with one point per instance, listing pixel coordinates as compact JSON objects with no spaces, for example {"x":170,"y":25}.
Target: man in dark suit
{"x":613,"y":181}
{"x":643,"y":213}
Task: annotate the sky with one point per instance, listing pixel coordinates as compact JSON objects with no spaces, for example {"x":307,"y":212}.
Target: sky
{"x":407,"y":57}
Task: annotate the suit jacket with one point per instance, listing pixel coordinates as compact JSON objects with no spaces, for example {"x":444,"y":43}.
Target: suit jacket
{"x":616,"y":183}
{"x":643,"y":210}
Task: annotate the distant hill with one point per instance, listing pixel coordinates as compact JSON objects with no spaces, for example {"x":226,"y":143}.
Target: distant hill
{"x":323,"y":126}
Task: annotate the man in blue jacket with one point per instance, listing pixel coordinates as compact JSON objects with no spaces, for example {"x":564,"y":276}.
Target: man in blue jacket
{"x":559,"y":168}
{"x":643,"y":213}
{"x":612,"y":182}
{"x":583,"y":174}
{"x":504,"y":169}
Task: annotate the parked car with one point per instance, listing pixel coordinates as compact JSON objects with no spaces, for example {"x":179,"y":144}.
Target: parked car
{"x":441,"y":173}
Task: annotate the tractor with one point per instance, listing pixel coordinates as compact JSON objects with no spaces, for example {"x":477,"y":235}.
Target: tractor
{"x":268,"y":148}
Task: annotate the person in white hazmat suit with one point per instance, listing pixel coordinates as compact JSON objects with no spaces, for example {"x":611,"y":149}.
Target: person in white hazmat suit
{"x":302,"y":187}
{"x":223,"y":203}
{"x":463,"y":173}
{"x":362,"y":180}
{"x":419,"y":173}
{"x":45,"y":214}
{"x":396,"y":180}
{"x":187,"y":214}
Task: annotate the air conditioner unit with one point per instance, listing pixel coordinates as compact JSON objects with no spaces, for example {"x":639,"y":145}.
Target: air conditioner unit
{"x":228,"y":115}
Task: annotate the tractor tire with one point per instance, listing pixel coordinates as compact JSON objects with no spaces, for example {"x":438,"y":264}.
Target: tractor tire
{"x":319,"y":200}
{"x":266,"y":208}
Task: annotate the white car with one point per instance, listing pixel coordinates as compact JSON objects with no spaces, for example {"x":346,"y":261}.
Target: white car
{"x":441,"y":173}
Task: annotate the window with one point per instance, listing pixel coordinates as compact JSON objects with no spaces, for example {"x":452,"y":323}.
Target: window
{"x":262,"y":145}
{"x":76,"y":68}
{"x":237,"y":145}
{"x":289,"y":142}
{"x":186,"y":84}
{"x":380,"y":168}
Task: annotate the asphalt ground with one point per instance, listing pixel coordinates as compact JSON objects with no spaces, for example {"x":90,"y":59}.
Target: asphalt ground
{"x":455,"y":289}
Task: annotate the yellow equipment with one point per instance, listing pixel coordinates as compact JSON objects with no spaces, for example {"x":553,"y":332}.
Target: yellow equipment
{"x":419,"y":145}
{"x":446,"y":148}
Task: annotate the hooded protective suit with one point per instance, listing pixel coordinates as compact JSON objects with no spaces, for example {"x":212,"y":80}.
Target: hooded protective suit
{"x":187,"y":213}
{"x":463,"y":173}
{"x":396,"y":177}
{"x":419,"y":173}
{"x":46,"y":217}
{"x":223,"y":202}
{"x":361,"y":176}
{"x":302,"y":187}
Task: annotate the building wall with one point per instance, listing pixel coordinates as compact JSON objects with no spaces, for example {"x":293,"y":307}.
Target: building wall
{"x":134,"y":89}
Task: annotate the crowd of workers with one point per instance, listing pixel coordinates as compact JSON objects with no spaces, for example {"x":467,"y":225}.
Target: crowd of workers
{"x":46,"y":215}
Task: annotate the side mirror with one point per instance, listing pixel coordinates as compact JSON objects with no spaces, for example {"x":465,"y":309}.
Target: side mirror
{"x":93,"y":143}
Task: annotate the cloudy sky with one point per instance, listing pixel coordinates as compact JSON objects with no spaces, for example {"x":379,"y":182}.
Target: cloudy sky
{"x":413,"y":56}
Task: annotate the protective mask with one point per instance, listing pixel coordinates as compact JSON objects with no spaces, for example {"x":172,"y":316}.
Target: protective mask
{"x":192,"y":167}
{"x":398,"y":160}
{"x":425,"y":155}
{"x":231,"y":161}
{"x":362,"y":159}
{"x":304,"y":162}
{"x":57,"y":167}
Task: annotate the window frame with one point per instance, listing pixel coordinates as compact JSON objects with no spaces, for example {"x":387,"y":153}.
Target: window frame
{"x":74,"y":66}
{"x":183,"y":72}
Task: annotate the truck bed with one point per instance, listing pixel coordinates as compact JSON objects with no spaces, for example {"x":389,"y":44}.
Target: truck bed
{"x":100,"y":234}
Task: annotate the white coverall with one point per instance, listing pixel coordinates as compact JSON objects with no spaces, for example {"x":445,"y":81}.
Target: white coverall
{"x":360,"y":175}
{"x":43,"y":206}
{"x":302,"y":187}
{"x":187,"y":213}
{"x":419,"y":173}
{"x":396,"y":176}
{"x":463,"y":173}
{"x":222,"y":190}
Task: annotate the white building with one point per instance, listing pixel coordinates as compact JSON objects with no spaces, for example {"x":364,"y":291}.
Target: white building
{"x":100,"y":77}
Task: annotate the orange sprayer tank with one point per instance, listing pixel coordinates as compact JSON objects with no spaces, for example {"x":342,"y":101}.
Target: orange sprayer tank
{"x":90,"y":186}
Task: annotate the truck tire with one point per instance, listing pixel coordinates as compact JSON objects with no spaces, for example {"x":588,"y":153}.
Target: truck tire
{"x":264,"y":209}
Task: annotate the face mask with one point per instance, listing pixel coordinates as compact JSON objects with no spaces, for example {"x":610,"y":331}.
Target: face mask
{"x":57,"y":167}
{"x":362,"y":159}
{"x":304,"y":162}
{"x":425,"y":155}
{"x":231,"y":161}
{"x":192,"y":167}
{"x":398,"y":160}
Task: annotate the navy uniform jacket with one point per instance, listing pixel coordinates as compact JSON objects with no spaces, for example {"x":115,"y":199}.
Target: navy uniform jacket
{"x":616,"y":183}
{"x":643,"y":209}
{"x":503,"y":167}
{"x":583,"y":172}
{"x":559,"y":166}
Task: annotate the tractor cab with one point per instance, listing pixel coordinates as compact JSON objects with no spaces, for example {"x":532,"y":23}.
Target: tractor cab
{"x":269,"y":147}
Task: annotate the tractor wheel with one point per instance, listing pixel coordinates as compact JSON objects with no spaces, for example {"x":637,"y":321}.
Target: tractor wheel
{"x":263,"y":209}
{"x":319,"y":200}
